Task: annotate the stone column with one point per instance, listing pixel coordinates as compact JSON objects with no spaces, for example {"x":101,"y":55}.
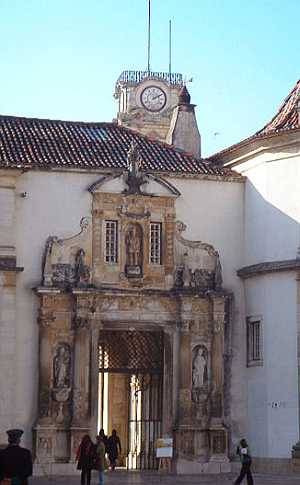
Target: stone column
{"x":44,"y":431}
{"x":80,"y":414}
{"x":167,"y":411}
{"x":184,"y":430}
{"x":218,"y":432}
{"x":56,"y":339}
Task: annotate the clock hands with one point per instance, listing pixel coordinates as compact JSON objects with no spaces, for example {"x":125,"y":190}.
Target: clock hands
{"x":157,"y":96}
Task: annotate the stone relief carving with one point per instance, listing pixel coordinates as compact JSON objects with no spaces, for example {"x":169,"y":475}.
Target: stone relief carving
{"x":134,"y":176}
{"x":197,"y":264}
{"x":45,"y":402}
{"x":67,"y":262}
{"x":62,"y":366}
{"x":82,"y":271}
{"x":134,"y":250}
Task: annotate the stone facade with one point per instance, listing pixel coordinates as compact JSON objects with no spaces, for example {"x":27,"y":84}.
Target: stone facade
{"x":83,"y":295}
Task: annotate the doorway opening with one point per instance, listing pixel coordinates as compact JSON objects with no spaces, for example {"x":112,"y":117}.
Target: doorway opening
{"x":130,"y":393}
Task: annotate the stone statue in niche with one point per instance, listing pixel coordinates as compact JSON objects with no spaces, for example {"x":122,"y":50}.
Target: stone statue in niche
{"x":62,"y":366}
{"x":134,"y":250}
{"x":199,"y":372}
{"x":134,"y":177}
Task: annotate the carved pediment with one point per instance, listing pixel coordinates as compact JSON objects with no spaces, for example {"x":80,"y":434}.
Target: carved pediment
{"x":67,"y":262}
{"x":134,"y":180}
{"x":197,"y":264}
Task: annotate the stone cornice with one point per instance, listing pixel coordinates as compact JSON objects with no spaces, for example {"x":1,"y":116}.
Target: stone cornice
{"x":268,"y":267}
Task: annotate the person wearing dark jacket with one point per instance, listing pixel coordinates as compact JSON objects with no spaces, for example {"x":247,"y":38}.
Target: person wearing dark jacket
{"x":15,"y":461}
{"x":85,"y":458}
{"x":114,"y":448}
{"x":244,"y":453}
{"x":104,"y":439}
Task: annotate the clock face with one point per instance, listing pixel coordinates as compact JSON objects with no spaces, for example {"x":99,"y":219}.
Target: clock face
{"x":153,"y":98}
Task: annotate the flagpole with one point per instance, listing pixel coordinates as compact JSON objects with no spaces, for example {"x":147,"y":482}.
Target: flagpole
{"x":149,"y":28}
{"x":170,"y":50}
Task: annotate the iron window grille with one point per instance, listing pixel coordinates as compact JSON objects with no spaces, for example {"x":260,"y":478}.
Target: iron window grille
{"x":254,"y":341}
{"x":111,"y":242}
{"x":155,"y":242}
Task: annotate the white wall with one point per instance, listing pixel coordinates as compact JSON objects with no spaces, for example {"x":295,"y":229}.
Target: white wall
{"x":272,"y":211}
{"x":272,"y":388}
{"x":272,"y":215}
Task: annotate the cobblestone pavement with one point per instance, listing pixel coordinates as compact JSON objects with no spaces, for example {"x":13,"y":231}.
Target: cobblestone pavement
{"x":136,"y":478}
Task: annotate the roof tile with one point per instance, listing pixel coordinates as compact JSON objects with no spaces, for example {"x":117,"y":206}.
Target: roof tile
{"x":42,"y":143}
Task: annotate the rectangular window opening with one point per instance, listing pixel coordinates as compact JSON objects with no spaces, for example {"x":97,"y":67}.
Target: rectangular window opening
{"x":155,"y":242}
{"x":254,"y":341}
{"x":111,"y":241}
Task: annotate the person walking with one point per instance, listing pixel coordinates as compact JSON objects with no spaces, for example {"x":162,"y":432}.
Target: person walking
{"x":114,"y":448}
{"x":104,"y":438}
{"x":100,"y":459}
{"x":15,"y":461}
{"x":244,"y":453}
{"x":85,"y":457}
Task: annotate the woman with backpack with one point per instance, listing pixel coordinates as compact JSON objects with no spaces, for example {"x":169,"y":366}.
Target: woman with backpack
{"x":243,"y":451}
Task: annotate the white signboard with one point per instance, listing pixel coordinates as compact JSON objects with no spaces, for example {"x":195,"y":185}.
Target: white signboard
{"x":164,"y":448}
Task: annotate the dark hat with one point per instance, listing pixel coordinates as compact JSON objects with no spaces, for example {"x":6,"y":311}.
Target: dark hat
{"x":14,"y":434}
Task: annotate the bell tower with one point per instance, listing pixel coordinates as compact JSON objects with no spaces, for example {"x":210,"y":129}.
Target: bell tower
{"x":146,"y":101}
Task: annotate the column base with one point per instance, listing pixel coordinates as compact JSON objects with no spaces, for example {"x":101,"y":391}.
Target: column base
{"x":187,"y":467}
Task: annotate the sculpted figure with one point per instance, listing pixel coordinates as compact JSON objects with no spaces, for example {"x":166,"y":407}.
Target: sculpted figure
{"x":134,"y":243}
{"x":82,"y":271}
{"x":61,"y":367}
{"x":199,"y":371}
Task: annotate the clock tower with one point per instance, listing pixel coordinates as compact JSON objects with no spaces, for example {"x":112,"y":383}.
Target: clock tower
{"x":146,"y":101}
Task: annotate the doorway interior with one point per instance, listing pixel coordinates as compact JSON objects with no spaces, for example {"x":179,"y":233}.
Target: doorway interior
{"x":131,"y":393}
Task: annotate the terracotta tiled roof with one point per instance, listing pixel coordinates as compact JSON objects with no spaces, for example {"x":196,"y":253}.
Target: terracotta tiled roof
{"x":39,"y":143}
{"x":287,"y":118}
{"x":287,"y":115}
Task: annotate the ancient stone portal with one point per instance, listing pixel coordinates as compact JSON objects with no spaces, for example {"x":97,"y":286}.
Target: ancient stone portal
{"x":129,"y":271}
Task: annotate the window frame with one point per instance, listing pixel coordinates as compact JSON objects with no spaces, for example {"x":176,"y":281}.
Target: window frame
{"x":109,"y":254}
{"x":254,"y":332}
{"x":156,"y":223}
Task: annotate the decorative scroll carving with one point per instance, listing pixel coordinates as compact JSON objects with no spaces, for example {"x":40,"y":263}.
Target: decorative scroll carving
{"x":197,"y":264}
{"x":134,"y":177}
{"x":67,"y":262}
{"x":219,"y":442}
{"x":136,"y":213}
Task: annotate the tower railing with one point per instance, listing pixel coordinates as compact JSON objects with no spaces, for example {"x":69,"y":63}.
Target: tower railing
{"x":138,"y":76}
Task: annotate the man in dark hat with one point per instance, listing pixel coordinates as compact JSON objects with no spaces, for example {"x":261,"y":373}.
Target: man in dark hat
{"x":15,"y":462}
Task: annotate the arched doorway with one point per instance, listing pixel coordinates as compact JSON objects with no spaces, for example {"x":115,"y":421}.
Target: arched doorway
{"x":130,"y":392}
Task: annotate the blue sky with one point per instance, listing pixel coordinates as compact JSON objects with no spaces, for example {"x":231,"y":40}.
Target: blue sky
{"x":60,"y":58}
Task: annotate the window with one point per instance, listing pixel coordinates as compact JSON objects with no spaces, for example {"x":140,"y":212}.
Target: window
{"x":155,"y":243}
{"x":111,"y":241}
{"x":254,"y":341}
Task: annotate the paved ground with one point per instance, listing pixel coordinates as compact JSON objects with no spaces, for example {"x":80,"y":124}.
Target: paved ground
{"x":155,"y":478}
